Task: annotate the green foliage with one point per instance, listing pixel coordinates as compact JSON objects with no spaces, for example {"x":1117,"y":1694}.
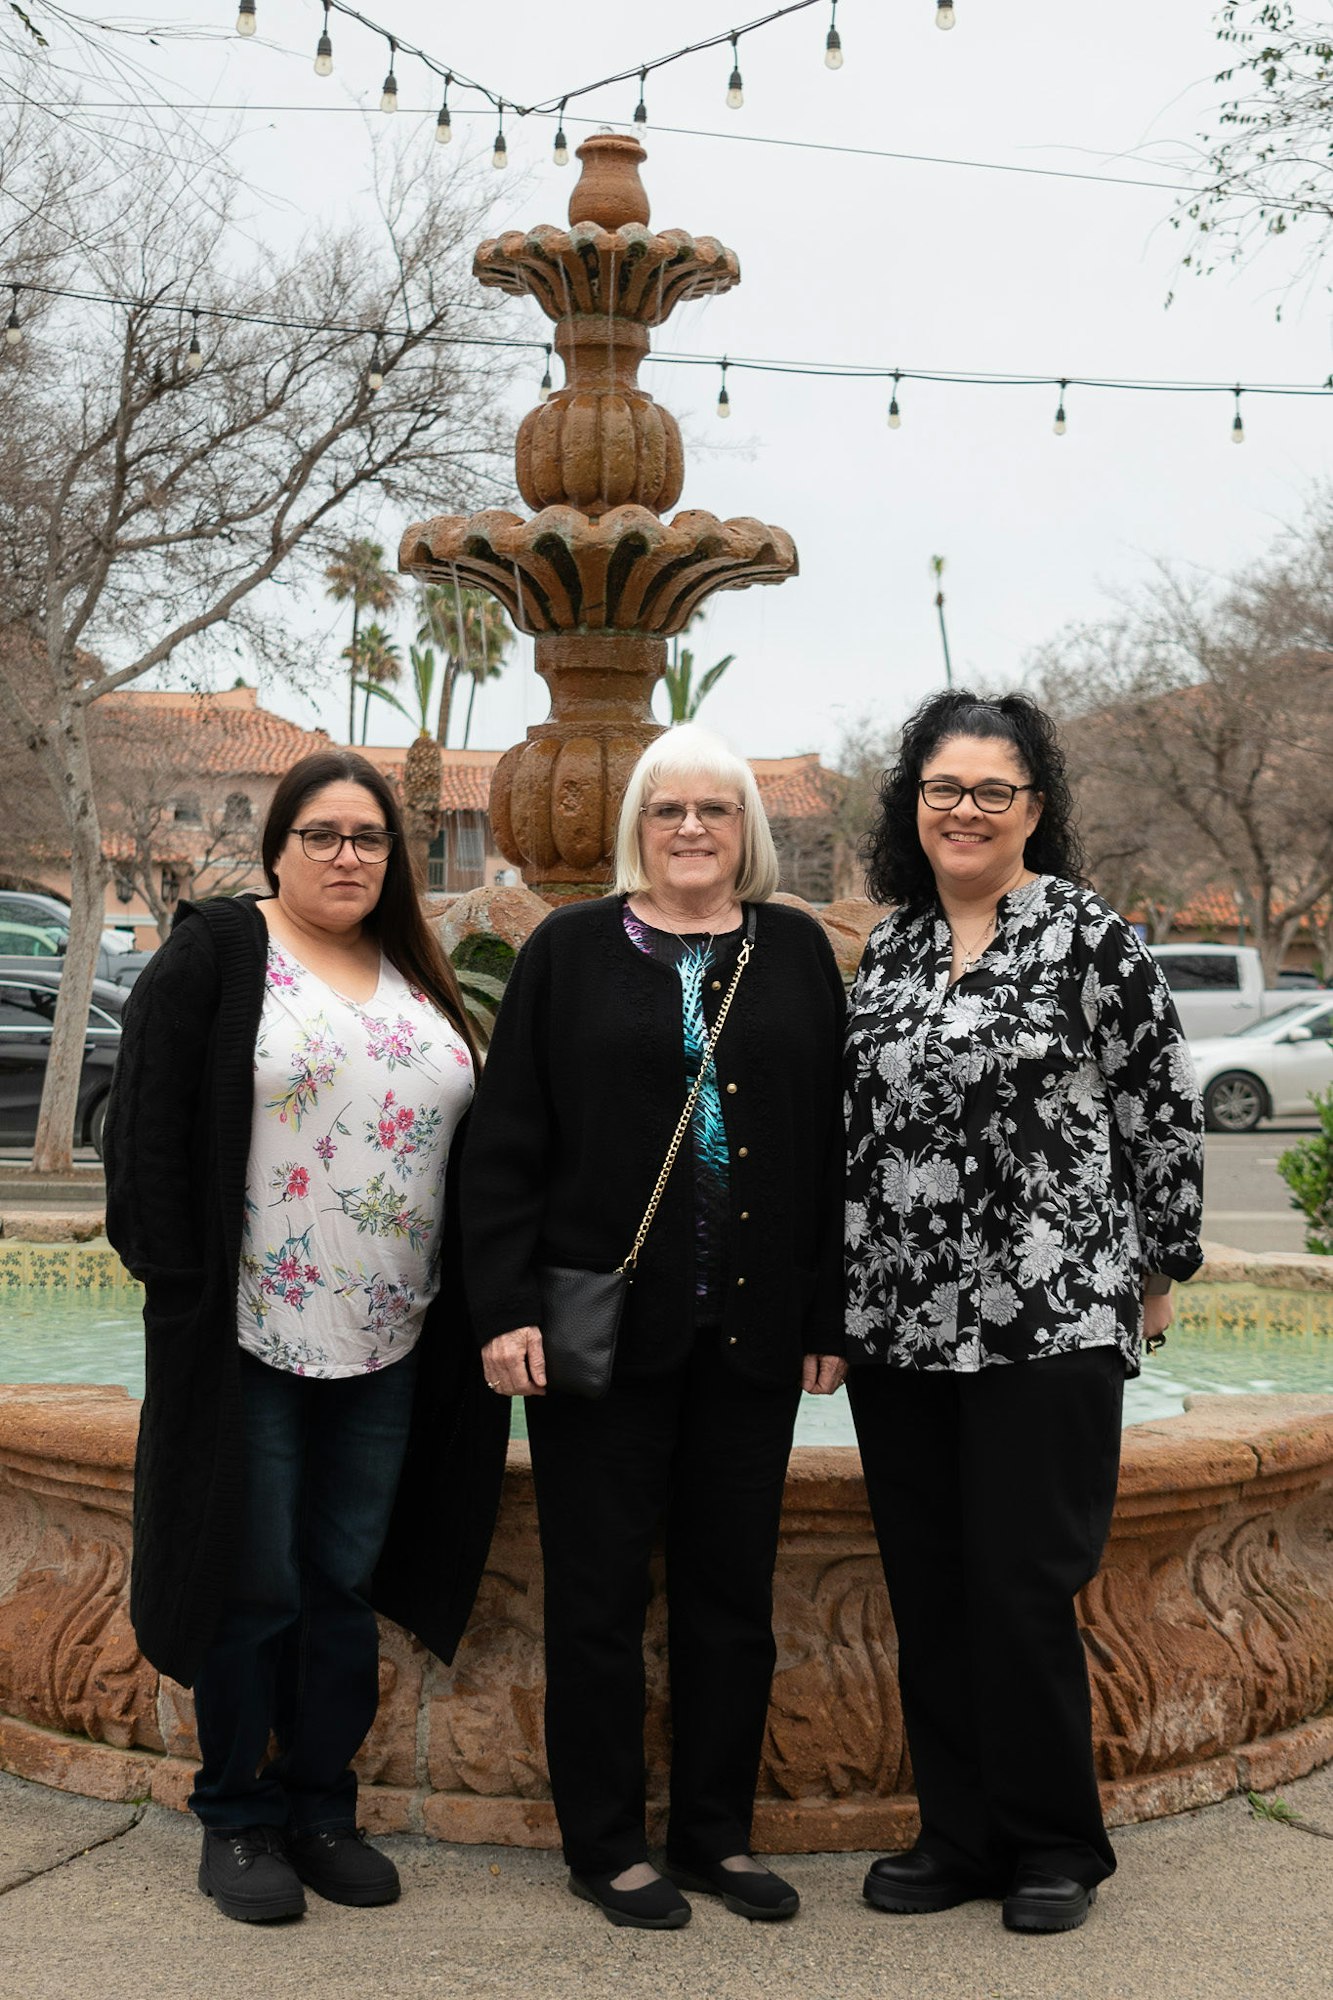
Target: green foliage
{"x":1277,"y":1809}
{"x":1307,"y":1169}
{"x":482,"y":964}
{"x":684,"y":697}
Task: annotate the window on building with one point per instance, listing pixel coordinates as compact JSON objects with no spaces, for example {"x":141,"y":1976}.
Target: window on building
{"x":186,"y":809}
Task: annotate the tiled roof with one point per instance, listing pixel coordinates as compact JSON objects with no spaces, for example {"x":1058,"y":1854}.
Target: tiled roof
{"x":228,"y":734}
{"x":796,"y":787}
{"x":465,"y":782}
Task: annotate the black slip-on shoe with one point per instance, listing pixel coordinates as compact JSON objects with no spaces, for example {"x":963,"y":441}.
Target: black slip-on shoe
{"x":658,"y":1906}
{"x":760,"y":1895}
{"x":340,"y":1865}
{"x":1041,"y":1902}
{"x":246,"y":1871}
{"x":916,"y":1884}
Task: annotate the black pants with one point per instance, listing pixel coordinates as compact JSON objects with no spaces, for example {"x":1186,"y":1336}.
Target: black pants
{"x":297,"y":1647}
{"x":707,"y":1451}
{"x":992,"y":1496}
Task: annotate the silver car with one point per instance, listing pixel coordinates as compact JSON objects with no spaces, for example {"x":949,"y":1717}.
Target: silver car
{"x":1267,"y":1070}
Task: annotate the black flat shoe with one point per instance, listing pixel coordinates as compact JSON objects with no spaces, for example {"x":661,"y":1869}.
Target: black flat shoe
{"x":1041,"y":1902}
{"x":246,"y":1871}
{"x":340,"y":1865}
{"x":763,"y":1897}
{"x":916,"y":1884}
{"x":658,"y":1906}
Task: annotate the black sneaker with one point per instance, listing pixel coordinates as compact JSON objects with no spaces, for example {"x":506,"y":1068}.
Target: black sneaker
{"x":246,"y":1871}
{"x":758,"y":1894}
{"x":339,"y":1863}
{"x":658,"y":1906}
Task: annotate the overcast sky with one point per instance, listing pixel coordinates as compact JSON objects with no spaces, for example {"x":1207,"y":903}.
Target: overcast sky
{"x":869,"y":261}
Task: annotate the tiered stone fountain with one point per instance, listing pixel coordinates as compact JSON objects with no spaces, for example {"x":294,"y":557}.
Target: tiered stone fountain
{"x":596,"y":575}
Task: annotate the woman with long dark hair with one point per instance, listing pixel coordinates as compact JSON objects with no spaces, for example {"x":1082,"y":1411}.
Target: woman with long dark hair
{"x":1024,"y":1183}
{"x":316,"y":1442}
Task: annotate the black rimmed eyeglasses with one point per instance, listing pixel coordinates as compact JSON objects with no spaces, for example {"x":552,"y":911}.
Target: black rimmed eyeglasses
{"x":325,"y":843}
{"x":993,"y":795}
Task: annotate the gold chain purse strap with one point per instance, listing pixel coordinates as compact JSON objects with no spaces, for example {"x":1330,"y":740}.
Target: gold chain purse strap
{"x":693,"y":1098}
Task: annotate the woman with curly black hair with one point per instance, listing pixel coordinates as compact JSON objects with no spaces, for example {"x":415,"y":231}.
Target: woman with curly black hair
{"x":1024,"y":1183}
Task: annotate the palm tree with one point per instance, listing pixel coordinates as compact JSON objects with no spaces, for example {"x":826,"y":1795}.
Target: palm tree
{"x":356,"y":572}
{"x":423,"y":767}
{"x":376,"y":662}
{"x":473,"y":633}
{"x":684,"y":697}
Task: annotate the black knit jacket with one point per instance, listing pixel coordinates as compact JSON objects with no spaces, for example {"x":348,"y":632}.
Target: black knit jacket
{"x":583,"y":1086}
{"x":177,"y":1145}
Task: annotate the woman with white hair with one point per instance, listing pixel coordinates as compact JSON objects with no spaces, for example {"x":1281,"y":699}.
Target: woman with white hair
{"x":609,"y":1021}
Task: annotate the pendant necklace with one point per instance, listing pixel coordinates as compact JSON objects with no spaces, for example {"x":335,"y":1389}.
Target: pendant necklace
{"x":971,"y":953}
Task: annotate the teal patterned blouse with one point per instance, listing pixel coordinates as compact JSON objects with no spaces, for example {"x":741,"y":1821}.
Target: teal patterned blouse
{"x":692,"y":958}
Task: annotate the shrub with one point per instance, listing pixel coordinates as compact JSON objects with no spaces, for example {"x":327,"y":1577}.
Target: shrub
{"x":1308,"y":1171}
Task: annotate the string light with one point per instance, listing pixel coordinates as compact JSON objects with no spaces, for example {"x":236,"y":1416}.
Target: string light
{"x":1237,"y":427}
{"x":13,"y":331}
{"x":895,"y":415}
{"x":375,"y":372}
{"x":833,"y":42}
{"x":245,"y":19}
{"x":641,"y":109}
{"x":1059,"y":425}
{"x":545,"y":388}
{"x":735,"y":88}
{"x":944,"y":15}
{"x":500,"y":157}
{"x":194,"y":359}
{"x":444,"y":127}
{"x":723,"y":399}
{"x":561,"y":153}
{"x":389,"y":96}
{"x":324,"y":48}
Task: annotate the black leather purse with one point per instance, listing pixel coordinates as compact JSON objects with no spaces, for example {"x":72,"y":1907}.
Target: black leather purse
{"x":582,"y":1310}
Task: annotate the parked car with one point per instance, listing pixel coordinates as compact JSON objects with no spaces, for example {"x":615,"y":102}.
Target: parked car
{"x":36,"y":926}
{"x":27,"y":1010}
{"x":1267,"y":1070}
{"x":1218,"y":988}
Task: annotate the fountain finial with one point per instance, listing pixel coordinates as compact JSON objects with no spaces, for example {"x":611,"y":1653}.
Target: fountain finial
{"x":609,"y":190}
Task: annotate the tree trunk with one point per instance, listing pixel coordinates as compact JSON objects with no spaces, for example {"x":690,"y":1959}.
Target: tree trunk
{"x":53,"y":1149}
{"x":351,"y":678}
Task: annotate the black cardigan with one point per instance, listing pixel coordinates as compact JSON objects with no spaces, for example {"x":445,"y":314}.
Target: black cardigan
{"x":177,"y":1145}
{"x":583,"y":1086}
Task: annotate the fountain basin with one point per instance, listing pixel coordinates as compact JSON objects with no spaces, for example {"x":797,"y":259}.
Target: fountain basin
{"x":1209,"y":1633}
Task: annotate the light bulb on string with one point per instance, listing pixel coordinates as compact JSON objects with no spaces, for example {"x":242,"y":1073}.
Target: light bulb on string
{"x":561,"y":152}
{"x":833,"y":42}
{"x":389,"y":95}
{"x":444,"y":128}
{"x":500,"y":156}
{"x":641,"y":109}
{"x":194,"y":359}
{"x":895,"y":414}
{"x":1059,"y":425}
{"x":545,"y":388}
{"x":944,"y":15}
{"x":1237,"y":427}
{"x":245,"y":19}
{"x":735,"y":88}
{"x":324,"y":48}
{"x":13,"y":331}
{"x":723,"y":399}
{"x":375,"y":372}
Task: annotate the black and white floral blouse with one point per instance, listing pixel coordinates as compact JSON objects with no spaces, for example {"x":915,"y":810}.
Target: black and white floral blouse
{"x":1023,"y":1146}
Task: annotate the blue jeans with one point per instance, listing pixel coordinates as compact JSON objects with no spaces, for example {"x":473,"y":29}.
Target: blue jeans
{"x":296,"y":1652}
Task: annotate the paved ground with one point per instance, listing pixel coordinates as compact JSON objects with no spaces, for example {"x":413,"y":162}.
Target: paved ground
{"x":1246,"y":1204}
{"x":99,"y":1900}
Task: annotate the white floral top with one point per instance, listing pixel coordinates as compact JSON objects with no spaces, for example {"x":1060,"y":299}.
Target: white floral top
{"x":1023,"y":1144}
{"x":355,"y":1108}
